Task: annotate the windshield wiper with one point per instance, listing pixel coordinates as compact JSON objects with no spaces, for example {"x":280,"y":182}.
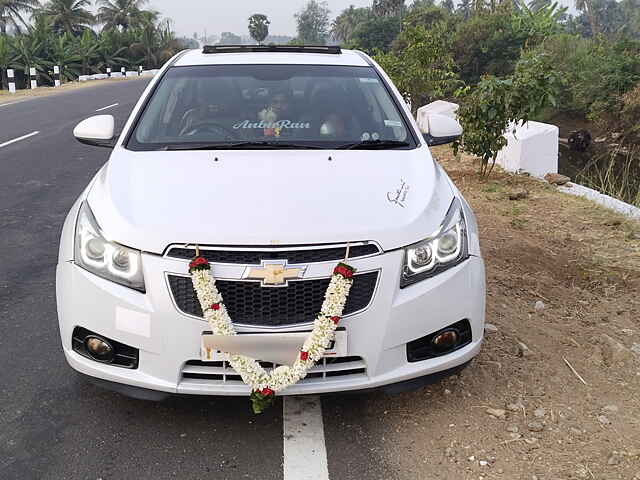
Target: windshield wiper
{"x":374,"y":145}
{"x":241,"y":145}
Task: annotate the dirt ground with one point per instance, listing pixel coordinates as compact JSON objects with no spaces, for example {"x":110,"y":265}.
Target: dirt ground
{"x":6,"y":97}
{"x":519,"y":411}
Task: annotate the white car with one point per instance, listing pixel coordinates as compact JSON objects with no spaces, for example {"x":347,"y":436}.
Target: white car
{"x":270,"y":161}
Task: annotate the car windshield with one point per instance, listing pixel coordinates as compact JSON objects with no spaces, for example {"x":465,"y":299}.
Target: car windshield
{"x":270,"y":106}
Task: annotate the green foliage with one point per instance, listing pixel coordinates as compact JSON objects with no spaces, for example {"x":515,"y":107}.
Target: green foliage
{"x":12,"y":11}
{"x":259,"y":27}
{"x":313,"y":23}
{"x":376,"y":33}
{"x":491,"y":42}
{"x":345,"y":24}
{"x":598,"y":73}
{"x":424,"y":70}
{"x":494,"y":104}
{"x":123,"y":14}
{"x":69,"y":16}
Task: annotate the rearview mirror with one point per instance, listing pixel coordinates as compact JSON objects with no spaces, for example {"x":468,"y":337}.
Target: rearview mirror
{"x":97,"y":131}
{"x":439,"y":129}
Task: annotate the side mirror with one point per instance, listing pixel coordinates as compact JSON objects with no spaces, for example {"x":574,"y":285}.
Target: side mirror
{"x":98,"y":131}
{"x":439,"y":129}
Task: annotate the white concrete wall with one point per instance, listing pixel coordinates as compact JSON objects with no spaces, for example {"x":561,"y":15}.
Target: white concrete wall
{"x":532,"y":148}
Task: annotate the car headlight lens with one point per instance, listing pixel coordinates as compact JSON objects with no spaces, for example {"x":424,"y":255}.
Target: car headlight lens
{"x":107,"y":259}
{"x":446,"y":248}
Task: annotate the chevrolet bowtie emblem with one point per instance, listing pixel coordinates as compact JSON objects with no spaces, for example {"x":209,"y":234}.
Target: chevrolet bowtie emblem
{"x":274,"y":273}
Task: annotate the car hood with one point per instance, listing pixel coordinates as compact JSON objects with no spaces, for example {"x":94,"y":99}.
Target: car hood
{"x":149,"y":200}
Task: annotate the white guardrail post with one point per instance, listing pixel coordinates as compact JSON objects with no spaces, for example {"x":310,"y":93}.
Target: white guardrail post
{"x":12,"y":80}
{"x":32,"y":76}
{"x":56,"y":75}
{"x":123,"y":71}
{"x":109,"y":72}
{"x":140,"y":71}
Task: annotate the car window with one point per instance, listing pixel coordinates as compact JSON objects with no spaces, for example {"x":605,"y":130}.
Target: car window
{"x":315,"y":105}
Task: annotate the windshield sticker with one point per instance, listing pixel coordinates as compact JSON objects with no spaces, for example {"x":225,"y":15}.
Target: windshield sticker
{"x":365,"y":136}
{"x":281,"y":124}
{"x":375,"y":136}
{"x":399,"y":196}
{"x":369,"y":80}
{"x":392,"y":123}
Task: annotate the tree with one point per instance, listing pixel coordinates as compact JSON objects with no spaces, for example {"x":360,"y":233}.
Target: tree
{"x":313,"y":23}
{"x":424,"y":70}
{"x":387,"y":8}
{"x":11,"y":12}
{"x":259,"y":27}
{"x":495,"y":103}
{"x":120,"y":13}
{"x":586,"y":6}
{"x":345,"y":24}
{"x":69,"y":16}
{"x":377,"y":33}
{"x":448,"y":5}
{"x":63,"y":54}
{"x":536,"y":5}
{"x":228,"y":38}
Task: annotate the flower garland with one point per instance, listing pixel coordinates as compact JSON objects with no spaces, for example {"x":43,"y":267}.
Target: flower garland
{"x":265,"y":385}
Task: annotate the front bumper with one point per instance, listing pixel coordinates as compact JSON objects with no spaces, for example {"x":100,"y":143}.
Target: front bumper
{"x":167,"y":339}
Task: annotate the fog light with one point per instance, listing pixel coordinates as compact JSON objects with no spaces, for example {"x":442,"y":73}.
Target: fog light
{"x":446,"y":340}
{"x":99,"y":348}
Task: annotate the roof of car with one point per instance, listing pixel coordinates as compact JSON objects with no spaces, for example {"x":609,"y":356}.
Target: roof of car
{"x":345,"y":57}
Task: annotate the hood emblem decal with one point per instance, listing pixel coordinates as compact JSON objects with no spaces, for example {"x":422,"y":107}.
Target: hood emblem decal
{"x":399,"y":196}
{"x":274,"y":273}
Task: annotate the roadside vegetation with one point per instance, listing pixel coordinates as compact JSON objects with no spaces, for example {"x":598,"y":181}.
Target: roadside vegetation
{"x":483,"y":55}
{"x":65,"y":33}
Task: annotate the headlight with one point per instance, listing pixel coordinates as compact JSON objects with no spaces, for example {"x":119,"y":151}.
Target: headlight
{"x":446,"y":248}
{"x":106,"y":259}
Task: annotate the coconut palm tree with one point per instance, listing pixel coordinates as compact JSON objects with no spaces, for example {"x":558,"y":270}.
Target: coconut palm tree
{"x":69,"y":16}
{"x":346,"y":23}
{"x":387,"y":8}
{"x":121,"y":13}
{"x":587,"y":7}
{"x":11,"y":12}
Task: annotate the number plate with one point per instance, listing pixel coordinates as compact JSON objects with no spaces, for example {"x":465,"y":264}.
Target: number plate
{"x":280,"y":348}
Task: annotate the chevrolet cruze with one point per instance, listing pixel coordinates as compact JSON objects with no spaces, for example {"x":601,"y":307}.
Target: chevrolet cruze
{"x":271,"y":162}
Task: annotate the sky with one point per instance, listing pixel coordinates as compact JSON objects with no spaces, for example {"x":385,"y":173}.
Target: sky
{"x":217,"y":16}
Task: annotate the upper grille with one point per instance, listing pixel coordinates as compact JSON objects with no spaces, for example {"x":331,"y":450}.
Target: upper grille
{"x":255,"y":257}
{"x":250,"y":304}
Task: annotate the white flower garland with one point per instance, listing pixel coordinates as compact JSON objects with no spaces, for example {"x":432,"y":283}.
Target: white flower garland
{"x":313,"y":349}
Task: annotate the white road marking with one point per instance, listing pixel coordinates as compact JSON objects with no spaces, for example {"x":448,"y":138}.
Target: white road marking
{"x":18,"y":139}
{"x":108,"y":106}
{"x":10,"y":103}
{"x":305,"y":455}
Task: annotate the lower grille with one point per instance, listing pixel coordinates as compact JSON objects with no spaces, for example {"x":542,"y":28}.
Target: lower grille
{"x":196,"y":371}
{"x":250,"y":304}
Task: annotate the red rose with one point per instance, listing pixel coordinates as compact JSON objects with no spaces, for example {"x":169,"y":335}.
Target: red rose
{"x":344,"y":271}
{"x":198,"y":262}
{"x":304,"y":356}
{"x":267,"y":392}
{"x":335,"y":320}
{"x":215,"y":306}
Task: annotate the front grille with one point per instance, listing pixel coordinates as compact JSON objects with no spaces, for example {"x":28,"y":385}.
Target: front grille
{"x":196,"y":371}
{"x":250,"y":304}
{"x":293,"y":256}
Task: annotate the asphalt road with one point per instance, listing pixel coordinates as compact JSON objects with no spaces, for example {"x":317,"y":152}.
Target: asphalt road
{"x":55,"y":425}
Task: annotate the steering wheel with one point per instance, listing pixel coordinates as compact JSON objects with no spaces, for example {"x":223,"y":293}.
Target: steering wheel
{"x":211,"y":127}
